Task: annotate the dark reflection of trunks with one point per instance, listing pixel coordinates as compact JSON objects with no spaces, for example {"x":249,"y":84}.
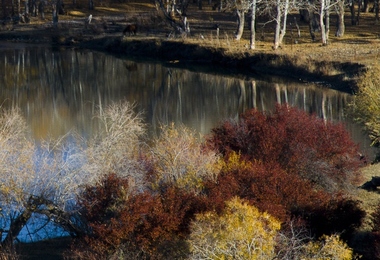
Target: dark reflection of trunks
{"x":61,"y":90}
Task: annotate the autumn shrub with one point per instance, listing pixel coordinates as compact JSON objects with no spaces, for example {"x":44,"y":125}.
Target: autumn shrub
{"x":284,"y":196}
{"x":117,"y":145}
{"x":240,"y":232}
{"x":268,"y":187}
{"x":295,"y":242}
{"x":302,"y":144}
{"x":180,"y":159}
{"x":150,"y":225}
{"x":327,"y":247}
{"x":365,"y":107}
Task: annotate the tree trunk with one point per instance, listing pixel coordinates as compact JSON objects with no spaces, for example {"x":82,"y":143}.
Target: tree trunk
{"x":253,"y":25}
{"x":327,"y":19}
{"x":285,"y":17}
{"x":41,"y":9}
{"x":365,"y":6}
{"x":241,"y":21}
{"x":26,"y":7}
{"x":340,"y":19}
{"x":50,"y":211}
{"x":322,"y":23}
{"x":352,"y":11}
{"x":278,"y":27}
{"x":55,"y":15}
{"x":359,"y":10}
{"x":312,"y":20}
{"x":17,"y":224}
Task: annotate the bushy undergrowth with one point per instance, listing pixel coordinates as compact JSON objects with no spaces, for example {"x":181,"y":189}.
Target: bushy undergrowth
{"x":284,"y":166}
{"x":140,"y":201}
{"x":365,"y":107}
{"x":320,"y":152}
{"x":150,"y":225}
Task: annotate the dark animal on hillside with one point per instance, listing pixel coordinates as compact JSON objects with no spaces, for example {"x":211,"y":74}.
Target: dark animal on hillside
{"x":130,"y":29}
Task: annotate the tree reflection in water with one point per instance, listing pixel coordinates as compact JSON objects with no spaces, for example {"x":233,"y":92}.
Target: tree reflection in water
{"x":61,"y":90}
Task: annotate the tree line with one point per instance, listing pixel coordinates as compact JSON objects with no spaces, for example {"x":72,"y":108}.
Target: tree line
{"x":316,"y":13}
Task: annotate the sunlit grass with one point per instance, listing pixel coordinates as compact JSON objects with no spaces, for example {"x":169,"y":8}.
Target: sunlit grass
{"x":76,"y":13}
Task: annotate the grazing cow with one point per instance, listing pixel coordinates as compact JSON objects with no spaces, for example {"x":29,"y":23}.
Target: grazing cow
{"x":130,"y":29}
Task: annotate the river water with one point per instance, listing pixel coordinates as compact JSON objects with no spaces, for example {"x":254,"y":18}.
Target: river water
{"x":60,"y":90}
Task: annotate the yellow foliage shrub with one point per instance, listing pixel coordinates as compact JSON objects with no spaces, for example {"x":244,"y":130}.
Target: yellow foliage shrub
{"x":366,"y":105}
{"x":241,"y":232}
{"x":328,"y":247}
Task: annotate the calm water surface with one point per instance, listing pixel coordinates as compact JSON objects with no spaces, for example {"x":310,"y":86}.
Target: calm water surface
{"x":60,"y":90}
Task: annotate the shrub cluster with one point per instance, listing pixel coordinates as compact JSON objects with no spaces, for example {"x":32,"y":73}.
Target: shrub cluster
{"x":365,"y":107}
{"x":276,"y":170}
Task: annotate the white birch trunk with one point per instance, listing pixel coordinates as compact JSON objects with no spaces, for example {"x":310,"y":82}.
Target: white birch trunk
{"x":253,"y":25}
{"x":278,"y":26}
{"x":322,"y":23}
{"x":285,"y":16}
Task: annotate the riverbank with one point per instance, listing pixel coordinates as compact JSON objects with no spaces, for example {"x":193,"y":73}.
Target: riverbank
{"x":188,"y":53}
{"x":337,"y":65}
{"x":338,"y":75}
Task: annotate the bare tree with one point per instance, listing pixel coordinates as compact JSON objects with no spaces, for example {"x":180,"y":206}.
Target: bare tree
{"x":282,"y":8}
{"x":116,"y":148}
{"x":253,"y":24}
{"x":339,"y":9}
{"x":36,"y":179}
{"x":171,"y":11}
{"x":240,"y":8}
{"x":40,"y":182}
{"x":278,"y":10}
{"x":324,"y":18}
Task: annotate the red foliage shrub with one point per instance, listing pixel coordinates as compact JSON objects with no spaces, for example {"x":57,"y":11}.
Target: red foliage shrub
{"x":319,"y":151}
{"x":155,"y":224}
{"x":269,"y":188}
{"x":286,"y":197}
